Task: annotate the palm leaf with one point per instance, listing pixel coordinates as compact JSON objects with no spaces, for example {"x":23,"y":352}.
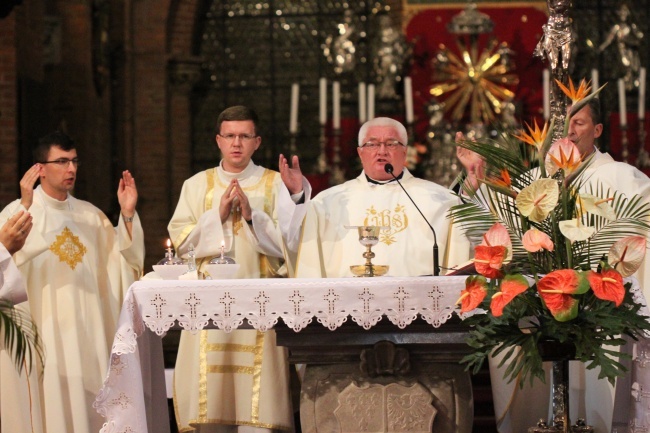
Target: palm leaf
{"x":21,"y":337}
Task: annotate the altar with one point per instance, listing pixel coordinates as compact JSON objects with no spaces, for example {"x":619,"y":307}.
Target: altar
{"x":133,"y":400}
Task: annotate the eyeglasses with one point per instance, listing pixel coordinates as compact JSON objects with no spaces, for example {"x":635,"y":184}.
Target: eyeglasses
{"x":390,"y":144}
{"x":63,"y":162}
{"x":244,"y":138}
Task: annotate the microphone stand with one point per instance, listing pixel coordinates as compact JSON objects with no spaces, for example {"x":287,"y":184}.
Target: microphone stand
{"x":436,"y":266}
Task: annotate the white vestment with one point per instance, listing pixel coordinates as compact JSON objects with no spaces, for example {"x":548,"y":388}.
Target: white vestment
{"x":328,"y":248}
{"x":12,"y":285}
{"x":590,"y":398}
{"x":77,"y":268}
{"x":239,"y":378}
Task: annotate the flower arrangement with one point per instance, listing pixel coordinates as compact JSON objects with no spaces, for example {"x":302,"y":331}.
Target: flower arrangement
{"x":552,"y":251}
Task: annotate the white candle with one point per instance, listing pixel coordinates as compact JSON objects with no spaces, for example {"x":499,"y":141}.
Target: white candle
{"x":371,"y":101}
{"x":169,"y":247}
{"x":336,"y":100}
{"x":594,"y":80}
{"x":293,"y":115}
{"x":408,"y":99}
{"x":362,"y":103}
{"x":622,"y":109}
{"x":223,"y":246}
{"x":642,"y":74}
{"x":322,"y":113}
{"x":546,"y":90}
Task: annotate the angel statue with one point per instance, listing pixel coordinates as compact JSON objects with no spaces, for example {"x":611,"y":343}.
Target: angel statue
{"x":628,"y":38}
{"x":340,"y":48}
{"x":556,"y":42}
{"x":390,"y":53}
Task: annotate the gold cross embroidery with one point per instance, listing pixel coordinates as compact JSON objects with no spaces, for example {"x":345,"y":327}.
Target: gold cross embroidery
{"x":68,"y":248}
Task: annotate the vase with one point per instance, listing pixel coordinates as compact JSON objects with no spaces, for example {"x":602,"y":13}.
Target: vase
{"x":559,"y":354}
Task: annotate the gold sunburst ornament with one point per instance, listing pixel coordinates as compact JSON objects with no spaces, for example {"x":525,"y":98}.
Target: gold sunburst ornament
{"x":480,"y":82}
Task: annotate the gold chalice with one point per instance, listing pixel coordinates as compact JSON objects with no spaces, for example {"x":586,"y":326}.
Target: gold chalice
{"x":368,"y":237}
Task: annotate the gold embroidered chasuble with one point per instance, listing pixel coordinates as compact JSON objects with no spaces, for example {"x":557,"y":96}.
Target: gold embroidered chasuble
{"x":238,"y":378}
{"x":328,"y":248}
{"x":77,"y":268}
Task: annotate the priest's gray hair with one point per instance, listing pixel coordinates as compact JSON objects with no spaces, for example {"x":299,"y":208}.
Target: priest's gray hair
{"x":383,"y":121}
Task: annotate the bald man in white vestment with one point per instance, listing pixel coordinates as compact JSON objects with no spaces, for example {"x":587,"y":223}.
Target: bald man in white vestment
{"x":237,"y":381}
{"x":77,"y":268}
{"x":590,"y":398}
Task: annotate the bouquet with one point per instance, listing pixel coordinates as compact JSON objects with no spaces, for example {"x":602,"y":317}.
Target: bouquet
{"x":552,"y":251}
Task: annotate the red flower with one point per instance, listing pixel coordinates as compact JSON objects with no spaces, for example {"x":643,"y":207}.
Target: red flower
{"x":473,"y":294}
{"x":488,"y":260}
{"x":607,"y":285}
{"x":511,"y":286}
{"x":556,"y":289}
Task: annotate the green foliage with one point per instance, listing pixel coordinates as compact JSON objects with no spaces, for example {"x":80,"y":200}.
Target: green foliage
{"x":21,"y":336}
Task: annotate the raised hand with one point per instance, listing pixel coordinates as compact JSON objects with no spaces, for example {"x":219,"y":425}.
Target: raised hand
{"x":127,"y":194}
{"x":291,"y":176}
{"x":27,"y":185}
{"x":473,"y":163}
{"x":14,"y":232}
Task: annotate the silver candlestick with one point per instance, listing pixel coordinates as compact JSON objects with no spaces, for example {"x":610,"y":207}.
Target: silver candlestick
{"x":643,"y":158}
{"x":337,"y":176}
{"x":321,"y":164}
{"x":624,"y":143}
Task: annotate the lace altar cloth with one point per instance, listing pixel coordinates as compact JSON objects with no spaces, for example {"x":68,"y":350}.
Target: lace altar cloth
{"x":159,"y":304}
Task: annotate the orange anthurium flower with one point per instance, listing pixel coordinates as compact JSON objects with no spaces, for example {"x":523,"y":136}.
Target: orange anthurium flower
{"x":564,"y":155}
{"x":538,"y":199}
{"x":575,"y":94}
{"x":556,"y":289}
{"x":498,"y":235}
{"x":473,"y":294}
{"x":511,"y":286}
{"x":627,"y":254}
{"x":535,"y":240}
{"x":488,"y":260}
{"x":535,"y":136}
{"x":607,"y":285}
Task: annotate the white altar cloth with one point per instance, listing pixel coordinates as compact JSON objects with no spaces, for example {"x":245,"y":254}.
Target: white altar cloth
{"x":193,"y":304}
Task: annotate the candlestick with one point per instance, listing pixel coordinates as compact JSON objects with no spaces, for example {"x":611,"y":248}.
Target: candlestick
{"x":371,"y":101}
{"x":336,"y":101}
{"x":223,"y":246}
{"x":408,"y":99}
{"x":642,"y":78}
{"x":293,"y":117}
{"x":622,"y":108}
{"x":546,"y":90}
{"x":594,"y":80}
{"x":322,"y":113}
{"x":321,"y":164}
{"x":169,"y":248}
{"x":362,"y":103}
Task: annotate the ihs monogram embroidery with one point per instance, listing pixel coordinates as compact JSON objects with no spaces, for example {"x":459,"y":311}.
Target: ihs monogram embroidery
{"x":396,"y":221}
{"x":68,"y":248}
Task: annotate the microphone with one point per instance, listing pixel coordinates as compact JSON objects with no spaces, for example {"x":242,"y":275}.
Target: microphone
{"x":388,"y":168}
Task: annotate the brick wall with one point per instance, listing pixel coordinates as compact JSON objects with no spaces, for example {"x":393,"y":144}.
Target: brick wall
{"x":8,"y":115}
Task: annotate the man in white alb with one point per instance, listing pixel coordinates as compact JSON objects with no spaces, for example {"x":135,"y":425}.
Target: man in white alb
{"x":77,"y":268}
{"x":238,"y":381}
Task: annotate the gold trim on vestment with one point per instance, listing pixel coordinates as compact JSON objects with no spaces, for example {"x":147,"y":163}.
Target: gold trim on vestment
{"x":235,"y":422}
{"x":203,"y":376}
{"x":210,"y":176}
{"x":183,"y":235}
{"x":237,"y":369}
{"x":257,"y":378}
{"x":230,"y":347}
